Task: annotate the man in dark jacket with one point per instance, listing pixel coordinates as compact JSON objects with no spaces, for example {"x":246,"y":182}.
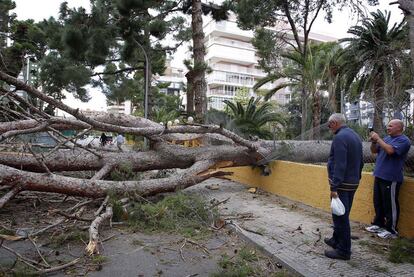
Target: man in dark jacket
{"x":344,"y":171}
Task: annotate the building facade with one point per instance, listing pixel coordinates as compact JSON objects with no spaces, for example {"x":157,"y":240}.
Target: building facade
{"x":120,"y":108}
{"x":234,"y":63}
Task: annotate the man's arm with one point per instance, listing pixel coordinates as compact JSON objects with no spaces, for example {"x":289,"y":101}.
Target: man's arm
{"x":376,"y":140}
{"x":387,"y":147}
{"x":340,"y":162}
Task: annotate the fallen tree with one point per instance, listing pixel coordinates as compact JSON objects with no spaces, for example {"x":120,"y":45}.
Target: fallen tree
{"x":24,"y":169}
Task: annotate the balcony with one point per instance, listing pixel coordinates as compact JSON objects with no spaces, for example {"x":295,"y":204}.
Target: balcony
{"x":231,"y":79}
{"x":228,"y":29}
{"x":230,"y":43}
{"x":221,"y":93}
{"x":220,"y":53}
{"x":234,"y":68}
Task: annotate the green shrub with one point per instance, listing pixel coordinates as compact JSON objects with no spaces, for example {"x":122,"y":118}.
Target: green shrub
{"x":182,"y":213}
{"x":402,"y":251}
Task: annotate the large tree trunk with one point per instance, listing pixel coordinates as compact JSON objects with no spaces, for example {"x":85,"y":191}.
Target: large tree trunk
{"x":190,"y":93}
{"x":199,"y":85}
{"x":304,"y":118}
{"x":316,"y":115}
{"x":379,"y":99}
{"x":407,"y":6}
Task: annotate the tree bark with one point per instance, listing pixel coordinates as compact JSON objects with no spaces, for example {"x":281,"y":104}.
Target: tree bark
{"x":316,"y":115}
{"x":190,"y":93}
{"x":304,"y":118}
{"x":99,"y":188}
{"x":199,"y":85}
{"x":407,"y":6}
{"x":379,"y":99}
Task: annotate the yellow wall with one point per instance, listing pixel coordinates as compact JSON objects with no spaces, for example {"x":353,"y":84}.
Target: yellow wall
{"x":308,"y":184}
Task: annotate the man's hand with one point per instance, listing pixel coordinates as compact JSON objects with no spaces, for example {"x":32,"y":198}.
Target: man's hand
{"x":334,"y":194}
{"x":373,"y":137}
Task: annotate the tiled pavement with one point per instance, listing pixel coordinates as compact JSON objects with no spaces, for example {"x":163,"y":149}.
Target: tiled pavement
{"x":292,"y":233}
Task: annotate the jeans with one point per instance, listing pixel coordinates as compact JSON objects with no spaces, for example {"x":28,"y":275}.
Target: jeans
{"x":342,"y":228}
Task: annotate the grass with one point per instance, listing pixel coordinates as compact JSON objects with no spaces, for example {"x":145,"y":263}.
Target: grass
{"x":382,"y":269}
{"x":368,"y":167}
{"x":6,"y":232}
{"x":180,"y":213}
{"x":19,"y":270}
{"x":71,"y":236}
{"x":374,"y":247}
{"x":245,"y":263}
{"x":402,"y":251}
{"x":237,"y":268}
{"x":99,"y":259}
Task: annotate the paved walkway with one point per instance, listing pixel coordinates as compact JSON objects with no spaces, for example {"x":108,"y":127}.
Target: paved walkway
{"x":293,"y":233}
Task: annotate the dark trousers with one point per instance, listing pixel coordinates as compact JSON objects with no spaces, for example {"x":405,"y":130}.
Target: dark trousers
{"x":342,"y":228}
{"x":387,"y":207}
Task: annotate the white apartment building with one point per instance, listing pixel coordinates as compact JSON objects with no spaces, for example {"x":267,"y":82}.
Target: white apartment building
{"x":234,"y":64}
{"x":176,"y":79}
{"x":120,"y":108}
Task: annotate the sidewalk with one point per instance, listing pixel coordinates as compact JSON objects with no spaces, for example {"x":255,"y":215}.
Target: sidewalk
{"x":292,"y":233}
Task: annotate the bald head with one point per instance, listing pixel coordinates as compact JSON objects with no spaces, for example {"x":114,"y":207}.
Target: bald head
{"x":395,"y":127}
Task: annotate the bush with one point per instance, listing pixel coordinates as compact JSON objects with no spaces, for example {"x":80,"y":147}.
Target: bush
{"x":182,"y":213}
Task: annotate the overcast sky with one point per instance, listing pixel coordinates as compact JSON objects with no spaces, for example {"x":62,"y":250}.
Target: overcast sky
{"x":41,"y":9}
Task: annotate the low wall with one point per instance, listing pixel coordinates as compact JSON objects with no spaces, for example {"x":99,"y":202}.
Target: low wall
{"x":308,"y":184}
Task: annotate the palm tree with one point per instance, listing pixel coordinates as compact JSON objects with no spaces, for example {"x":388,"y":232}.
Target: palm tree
{"x":373,"y":59}
{"x":251,"y":119}
{"x":311,"y":75}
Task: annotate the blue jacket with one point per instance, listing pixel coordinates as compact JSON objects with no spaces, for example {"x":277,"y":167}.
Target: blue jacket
{"x":345,"y":160}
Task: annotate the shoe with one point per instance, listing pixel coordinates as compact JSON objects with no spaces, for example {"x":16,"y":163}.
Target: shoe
{"x":387,"y":235}
{"x":375,"y":229}
{"x":333,"y":254}
{"x":330,"y":242}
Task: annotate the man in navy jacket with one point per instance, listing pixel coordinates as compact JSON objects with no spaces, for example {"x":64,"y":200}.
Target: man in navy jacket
{"x":344,"y":171}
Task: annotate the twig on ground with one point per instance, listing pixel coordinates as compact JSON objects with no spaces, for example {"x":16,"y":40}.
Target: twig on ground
{"x":78,"y":213}
{"x":102,"y":206}
{"x":272,"y":264}
{"x":201,"y":246}
{"x":242,"y":229}
{"x":181,"y":250}
{"x":57,"y":268}
{"x":25,"y":260}
{"x":6,"y":228}
{"x":81,"y":204}
{"x":38,"y":251}
{"x":108,"y":238}
{"x":319,"y":238}
{"x":71,"y":216}
{"x":9,"y":195}
{"x":219,"y":203}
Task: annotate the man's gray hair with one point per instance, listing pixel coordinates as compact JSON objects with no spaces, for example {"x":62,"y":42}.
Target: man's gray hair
{"x":337,"y":117}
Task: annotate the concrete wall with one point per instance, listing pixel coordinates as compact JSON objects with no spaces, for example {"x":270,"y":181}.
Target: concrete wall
{"x":308,"y":184}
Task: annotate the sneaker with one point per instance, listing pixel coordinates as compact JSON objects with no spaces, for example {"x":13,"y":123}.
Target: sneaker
{"x":333,"y":254}
{"x":387,"y":235}
{"x":330,"y":242}
{"x":375,"y":229}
